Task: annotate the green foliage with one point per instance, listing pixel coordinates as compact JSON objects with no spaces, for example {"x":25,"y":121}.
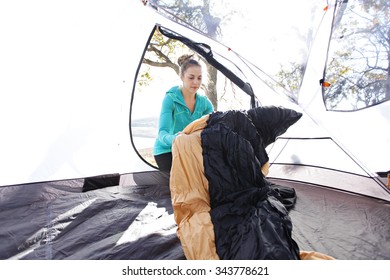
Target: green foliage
{"x":145,"y":77}
{"x":290,"y":79}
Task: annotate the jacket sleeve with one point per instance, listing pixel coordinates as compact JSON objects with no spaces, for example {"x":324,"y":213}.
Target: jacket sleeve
{"x":166,"y":122}
{"x":209,"y":108}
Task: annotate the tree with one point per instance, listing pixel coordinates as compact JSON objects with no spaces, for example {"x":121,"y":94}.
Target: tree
{"x":358,"y":69}
{"x":162,"y":52}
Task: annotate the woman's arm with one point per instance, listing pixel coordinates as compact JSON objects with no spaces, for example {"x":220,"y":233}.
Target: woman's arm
{"x":209,"y":108}
{"x":166,"y":121}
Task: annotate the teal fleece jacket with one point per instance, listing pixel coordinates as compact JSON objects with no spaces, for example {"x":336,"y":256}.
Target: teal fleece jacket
{"x":175,"y":116}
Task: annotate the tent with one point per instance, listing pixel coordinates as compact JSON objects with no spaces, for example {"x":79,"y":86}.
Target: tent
{"x":74,"y":183}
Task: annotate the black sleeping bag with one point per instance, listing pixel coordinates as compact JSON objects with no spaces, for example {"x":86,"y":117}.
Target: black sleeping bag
{"x":249,"y":214}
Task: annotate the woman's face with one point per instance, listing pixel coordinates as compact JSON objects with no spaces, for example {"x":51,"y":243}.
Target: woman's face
{"x":192,"y":79}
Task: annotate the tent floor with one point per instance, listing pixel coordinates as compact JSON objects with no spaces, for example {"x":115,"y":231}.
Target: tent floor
{"x":56,"y":220}
{"x":340,"y":224}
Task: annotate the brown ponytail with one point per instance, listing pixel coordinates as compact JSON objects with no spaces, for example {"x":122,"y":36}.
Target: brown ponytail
{"x":185,"y":61}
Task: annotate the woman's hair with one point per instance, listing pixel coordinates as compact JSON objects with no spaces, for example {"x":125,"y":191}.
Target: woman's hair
{"x":185,"y":61}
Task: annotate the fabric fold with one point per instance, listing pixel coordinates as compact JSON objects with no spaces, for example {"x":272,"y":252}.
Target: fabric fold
{"x":190,"y":196}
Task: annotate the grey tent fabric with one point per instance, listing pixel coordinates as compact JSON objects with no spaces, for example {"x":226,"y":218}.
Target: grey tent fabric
{"x":56,"y":220}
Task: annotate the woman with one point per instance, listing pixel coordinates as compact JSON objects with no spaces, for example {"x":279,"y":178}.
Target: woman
{"x":181,"y":105}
